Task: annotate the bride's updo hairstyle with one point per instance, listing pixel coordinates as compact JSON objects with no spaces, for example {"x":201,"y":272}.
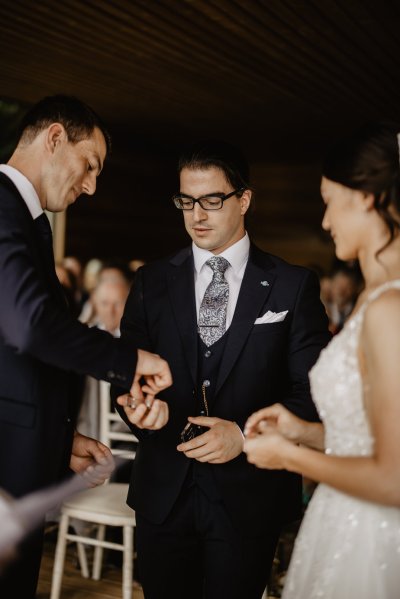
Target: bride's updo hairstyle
{"x":369,"y":161}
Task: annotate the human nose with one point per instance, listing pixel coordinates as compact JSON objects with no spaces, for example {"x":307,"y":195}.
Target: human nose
{"x":89,"y":184}
{"x":325,"y":221}
{"x":198,"y":212}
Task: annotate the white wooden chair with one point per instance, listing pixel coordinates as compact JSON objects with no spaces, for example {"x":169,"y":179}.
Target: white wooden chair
{"x":101,"y":506}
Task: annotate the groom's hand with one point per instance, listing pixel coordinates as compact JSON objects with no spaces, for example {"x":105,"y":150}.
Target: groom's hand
{"x":150,"y":413}
{"x":221,"y":443}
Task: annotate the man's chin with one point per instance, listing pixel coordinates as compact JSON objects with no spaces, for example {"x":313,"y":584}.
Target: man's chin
{"x":203,"y":241}
{"x":204,"y":245}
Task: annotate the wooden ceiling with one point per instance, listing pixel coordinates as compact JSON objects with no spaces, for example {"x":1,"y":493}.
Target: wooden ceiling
{"x":281,"y":78}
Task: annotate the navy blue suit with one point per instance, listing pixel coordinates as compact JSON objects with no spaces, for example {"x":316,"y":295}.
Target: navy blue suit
{"x":260,"y":365}
{"x":40,"y":343}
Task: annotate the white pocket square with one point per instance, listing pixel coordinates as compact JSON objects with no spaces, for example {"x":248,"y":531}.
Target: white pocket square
{"x":269,"y":317}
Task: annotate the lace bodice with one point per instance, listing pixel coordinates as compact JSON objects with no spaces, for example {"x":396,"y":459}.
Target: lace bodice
{"x":337,"y":387}
{"x":347,"y":547}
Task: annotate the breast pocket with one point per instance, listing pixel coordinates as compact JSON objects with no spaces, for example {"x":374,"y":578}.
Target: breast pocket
{"x":266,"y":347}
{"x":269,"y":328}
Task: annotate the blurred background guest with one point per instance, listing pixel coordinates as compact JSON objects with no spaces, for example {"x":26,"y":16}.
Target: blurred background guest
{"x":108,"y":302}
{"x":108,"y":271}
{"x":346,"y":285}
{"x":89,"y":278}
{"x":339,"y":290}
{"x":136,"y":263}
{"x":75,"y":268}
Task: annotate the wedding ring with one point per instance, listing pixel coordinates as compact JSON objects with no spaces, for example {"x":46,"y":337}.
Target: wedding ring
{"x":131,"y":402}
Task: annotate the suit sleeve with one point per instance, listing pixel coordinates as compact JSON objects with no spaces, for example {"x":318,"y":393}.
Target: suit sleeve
{"x":33,"y":322}
{"x":133,"y":332}
{"x":309,"y":334}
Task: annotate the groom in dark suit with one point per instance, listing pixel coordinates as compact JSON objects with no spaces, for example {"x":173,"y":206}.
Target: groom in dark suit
{"x":59,"y":155}
{"x":240,"y":329}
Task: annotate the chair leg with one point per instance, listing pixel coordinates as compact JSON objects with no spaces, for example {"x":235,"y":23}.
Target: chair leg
{"x":59,"y":558}
{"x":98,"y":553}
{"x":127,"y":565}
{"x":82,"y":559}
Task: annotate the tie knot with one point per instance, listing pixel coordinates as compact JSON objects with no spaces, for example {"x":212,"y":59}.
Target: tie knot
{"x":218,"y":264}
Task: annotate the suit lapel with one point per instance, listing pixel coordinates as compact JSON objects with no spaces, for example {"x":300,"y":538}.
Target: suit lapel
{"x":256,"y":286}
{"x":43,"y":248}
{"x":181,"y":292}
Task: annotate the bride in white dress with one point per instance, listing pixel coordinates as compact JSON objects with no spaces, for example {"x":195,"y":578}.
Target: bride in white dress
{"x":348,"y":546}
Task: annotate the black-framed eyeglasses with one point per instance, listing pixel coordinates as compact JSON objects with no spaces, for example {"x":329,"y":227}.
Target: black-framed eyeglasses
{"x":214,"y":201}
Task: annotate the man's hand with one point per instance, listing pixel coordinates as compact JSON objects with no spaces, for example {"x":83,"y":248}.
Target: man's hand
{"x":92,"y":459}
{"x":149,"y":413}
{"x":155,"y":372}
{"x":222,"y":443}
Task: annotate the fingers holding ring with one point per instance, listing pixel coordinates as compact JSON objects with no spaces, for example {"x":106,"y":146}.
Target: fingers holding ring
{"x":131,"y":402}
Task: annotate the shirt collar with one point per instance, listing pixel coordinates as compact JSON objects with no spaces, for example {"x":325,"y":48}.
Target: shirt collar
{"x":25,"y":188}
{"x":237,"y":254}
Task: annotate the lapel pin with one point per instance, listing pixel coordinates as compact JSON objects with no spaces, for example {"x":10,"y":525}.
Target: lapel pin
{"x":265,"y":283}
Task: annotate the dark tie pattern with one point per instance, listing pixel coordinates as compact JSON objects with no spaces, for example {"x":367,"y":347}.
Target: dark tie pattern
{"x":212,"y":314}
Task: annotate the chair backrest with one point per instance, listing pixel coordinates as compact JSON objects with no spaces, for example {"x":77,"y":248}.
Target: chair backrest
{"x":113,"y":429}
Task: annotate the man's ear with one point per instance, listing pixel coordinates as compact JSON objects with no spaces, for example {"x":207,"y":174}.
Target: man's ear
{"x":245,"y":201}
{"x":55,"y":135}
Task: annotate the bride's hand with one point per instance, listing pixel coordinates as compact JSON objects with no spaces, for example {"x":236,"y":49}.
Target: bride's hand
{"x":279,"y":418}
{"x":268,"y":449}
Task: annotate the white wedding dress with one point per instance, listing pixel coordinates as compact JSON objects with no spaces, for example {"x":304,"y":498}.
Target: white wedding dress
{"x":347,"y":548}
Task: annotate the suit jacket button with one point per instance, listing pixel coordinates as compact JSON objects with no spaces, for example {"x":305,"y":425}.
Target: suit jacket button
{"x":111,"y":374}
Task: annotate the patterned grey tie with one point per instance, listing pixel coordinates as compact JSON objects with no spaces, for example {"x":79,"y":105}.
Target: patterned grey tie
{"x":212,"y":314}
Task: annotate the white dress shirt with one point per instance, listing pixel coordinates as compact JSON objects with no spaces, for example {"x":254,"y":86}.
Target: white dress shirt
{"x":237,"y":256}
{"x":25,"y":188}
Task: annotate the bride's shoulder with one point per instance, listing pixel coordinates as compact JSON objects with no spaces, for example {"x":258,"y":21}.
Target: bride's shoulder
{"x":382,"y":313}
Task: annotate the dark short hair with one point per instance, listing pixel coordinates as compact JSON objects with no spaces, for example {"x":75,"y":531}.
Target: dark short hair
{"x":118,"y":265}
{"x":213,"y":153}
{"x":369,"y":161}
{"x":77,"y":118}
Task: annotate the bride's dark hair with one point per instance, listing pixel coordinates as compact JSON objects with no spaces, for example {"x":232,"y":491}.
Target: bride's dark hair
{"x":369,"y":161}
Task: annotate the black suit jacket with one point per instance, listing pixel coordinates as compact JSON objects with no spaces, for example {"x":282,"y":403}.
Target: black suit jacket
{"x":39,"y":343}
{"x":262,"y":364}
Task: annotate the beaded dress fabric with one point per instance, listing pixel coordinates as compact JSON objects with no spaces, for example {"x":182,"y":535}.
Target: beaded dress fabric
{"x":347,"y":548}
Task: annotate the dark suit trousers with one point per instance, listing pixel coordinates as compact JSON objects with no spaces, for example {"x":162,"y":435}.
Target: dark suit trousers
{"x":197,"y":553}
{"x":20,"y":577}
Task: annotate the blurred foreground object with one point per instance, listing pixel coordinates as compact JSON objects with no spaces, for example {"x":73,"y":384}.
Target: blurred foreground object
{"x":21,"y":516}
